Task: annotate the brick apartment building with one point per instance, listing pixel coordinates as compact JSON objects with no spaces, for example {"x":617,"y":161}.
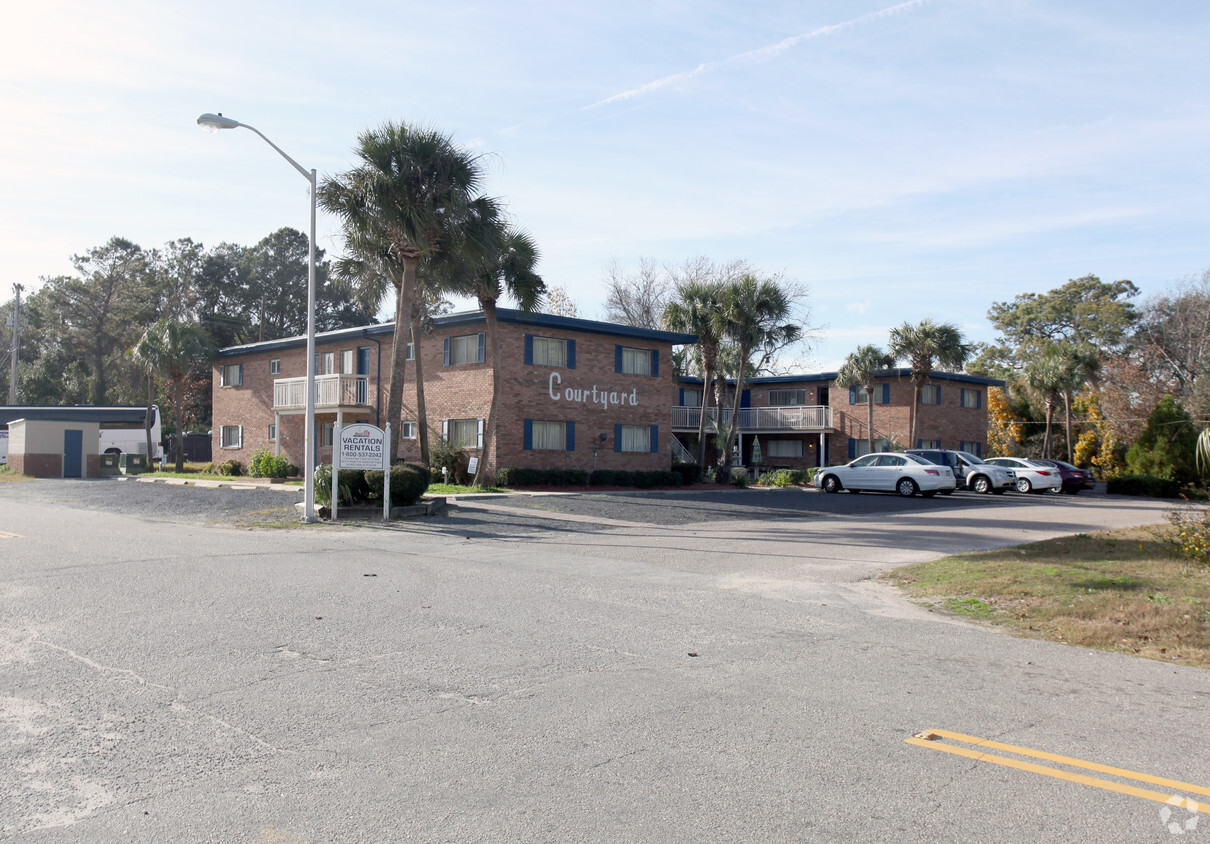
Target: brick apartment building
{"x":576,"y":394}
{"x":802,"y":421}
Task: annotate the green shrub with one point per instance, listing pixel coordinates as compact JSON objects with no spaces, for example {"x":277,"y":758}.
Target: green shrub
{"x":784,"y":478}
{"x":1191,"y":533}
{"x":408,"y":483}
{"x":1151,"y":486}
{"x":541,"y":477}
{"x":442,"y":455}
{"x":738,"y":476}
{"x":231,"y":468}
{"x":264,"y":464}
{"x":1167,"y":446}
{"x":690,"y":473}
{"x":811,"y":473}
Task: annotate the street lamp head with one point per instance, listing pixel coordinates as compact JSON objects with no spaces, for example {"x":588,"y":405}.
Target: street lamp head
{"x":214,"y":122}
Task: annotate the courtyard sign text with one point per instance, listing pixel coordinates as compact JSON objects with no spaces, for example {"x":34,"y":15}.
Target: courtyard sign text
{"x":584,"y":395}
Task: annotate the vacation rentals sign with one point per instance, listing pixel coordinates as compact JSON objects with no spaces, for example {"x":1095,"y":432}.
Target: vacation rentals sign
{"x":584,"y":395}
{"x":362,"y":447}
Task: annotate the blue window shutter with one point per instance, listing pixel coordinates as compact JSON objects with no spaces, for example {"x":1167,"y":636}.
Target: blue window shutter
{"x":745,"y":398}
{"x":529,"y":350}
{"x":445,"y":354}
{"x":617,"y":358}
{"x":682,"y":399}
{"x":938,"y":394}
{"x":978,"y":449}
{"x":920,"y":443}
{"x":978,"y":399}
{"x":617,"y":434}
{"x":482,"y":347}
{"x":571,"y":354}
{"x":529,"y":435}
{"x":655,"y":362}
{"x":886,"y":393}
{"x":852,"y":448}
{"x":571,"y":435}
{"x":363,"y":360}
{"x":852,"y":397}
{"x":241,"y":376}
{"x":655,"y":439}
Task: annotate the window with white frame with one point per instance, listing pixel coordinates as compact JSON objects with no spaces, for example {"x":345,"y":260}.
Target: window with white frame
{"x":231,"y":375}
{"x":549,"y":436}
{"x":860,"y":396}
{"x":407,"y":430}
{"x":232,"y":436}
{"x":972,"y":447}
{"x":930,"y":394}
{"x":636,"y":362}
{"x":325,"y":433}
{"x":462,"y":433}
{"x":272,"y":433}
{"x":784,"y":448}
{"x":788,"y":398}
{"x":928,"y":444}
{"x":411,"y":352}
{"x":549,"y":351}
{"x":347,"y":364}
{"x":636,"y":438}
{"x":691,"y":398}
{"x":275,"y":366}
{"x":464,"y":349}
{"x":972,"y":398}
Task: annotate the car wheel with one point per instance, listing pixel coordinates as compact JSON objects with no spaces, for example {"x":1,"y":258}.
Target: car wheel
{"x":981,"y":484}
{"x":906,"y":487}
{"x":1023,"y":485}
{"x":831,"y":483}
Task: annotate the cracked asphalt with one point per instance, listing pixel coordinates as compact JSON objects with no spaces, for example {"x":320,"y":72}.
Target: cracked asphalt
{"x":633,"y":667}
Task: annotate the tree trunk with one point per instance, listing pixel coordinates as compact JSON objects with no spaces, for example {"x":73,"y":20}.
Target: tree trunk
{"x":422,"y":411}
{"x":177,"y":391}
{"x":733,"y":428}
{"x":1067,"y":410}
{"x":915,"y":413}
{"x":1050,"y":413}
{"x":403,"y":315}
{"x":869,"y":403}
{"x":707,"y":388}
{"x":489,"y":430}
{"x":150,"y":416}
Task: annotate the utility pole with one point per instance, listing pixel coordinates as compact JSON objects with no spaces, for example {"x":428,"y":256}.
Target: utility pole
{"x":15,"y":321}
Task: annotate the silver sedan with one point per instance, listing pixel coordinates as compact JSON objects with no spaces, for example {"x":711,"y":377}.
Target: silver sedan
{"x":892,"y":471}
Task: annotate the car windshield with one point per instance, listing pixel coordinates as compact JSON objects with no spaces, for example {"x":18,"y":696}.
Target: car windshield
{"x":968,"y":457}
{"x":916,"y":458}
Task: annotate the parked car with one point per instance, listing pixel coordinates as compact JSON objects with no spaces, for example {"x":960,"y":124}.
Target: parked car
{"x":970,"y":472}
{"x":1073,"y":478}
{"x":888,"y":471}
{"x":1032,"y":475}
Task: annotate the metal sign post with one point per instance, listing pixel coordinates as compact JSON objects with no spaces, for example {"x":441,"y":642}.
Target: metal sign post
{"x":386,"y":478}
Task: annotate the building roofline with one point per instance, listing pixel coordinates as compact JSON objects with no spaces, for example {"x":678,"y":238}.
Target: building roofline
{"x":509,"y":315}
{"x":904,"y":372}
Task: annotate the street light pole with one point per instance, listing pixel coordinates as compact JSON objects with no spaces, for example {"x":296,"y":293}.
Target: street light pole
{"x":213,"y":123}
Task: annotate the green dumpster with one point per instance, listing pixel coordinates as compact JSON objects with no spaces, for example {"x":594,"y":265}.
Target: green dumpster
{"x":132,"y":464}
{"x":109,"y":464}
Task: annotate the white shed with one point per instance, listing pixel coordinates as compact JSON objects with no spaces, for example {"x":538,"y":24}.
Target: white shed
{"x":54,"y":449}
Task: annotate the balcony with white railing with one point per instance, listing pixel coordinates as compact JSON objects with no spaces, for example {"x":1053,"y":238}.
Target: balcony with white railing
{"x":809,"y":419}
{"x":332,"y":392}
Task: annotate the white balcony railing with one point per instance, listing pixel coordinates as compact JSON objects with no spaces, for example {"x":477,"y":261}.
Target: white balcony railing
{"x":808,"y":418}
{"x":330,"y":391}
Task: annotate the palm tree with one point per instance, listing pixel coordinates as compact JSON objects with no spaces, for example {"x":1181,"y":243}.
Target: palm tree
{"x":172,"y":349}
{"x":1046,"y":376}
{"x":925,"y":346}
{"x":860,"y":368}
{"x":754,"y":314}
{"x":1081,"y":365}
{"x":410,"y":194}
{"x":695,"y":310}
{"x":499,"y":259}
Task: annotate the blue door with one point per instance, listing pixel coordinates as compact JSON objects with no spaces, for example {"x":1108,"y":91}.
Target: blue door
{"x":73,"y":453}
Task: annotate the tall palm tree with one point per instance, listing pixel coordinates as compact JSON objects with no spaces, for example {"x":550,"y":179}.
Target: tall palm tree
{"x":1046,"y":375}
{"x":171,"y":349}
{"x":925,"y":346}
{"x":499,"y":258}
{"x":696,"y":309}
{"x":410,"y":193}
{"x":754,"y":314}
{"x":860,"y":368}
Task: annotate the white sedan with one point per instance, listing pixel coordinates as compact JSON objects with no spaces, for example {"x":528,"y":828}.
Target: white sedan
{"x":1031,"y":476}
{"x":893,"y":471}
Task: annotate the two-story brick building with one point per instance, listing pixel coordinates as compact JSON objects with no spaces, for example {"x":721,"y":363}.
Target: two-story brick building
{"x":576,"y":393}
{"x":802,"y":421}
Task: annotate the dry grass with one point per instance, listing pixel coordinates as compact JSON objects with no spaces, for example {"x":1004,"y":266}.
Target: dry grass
{"x":8,"y":476}
{"x":1121,"y":590}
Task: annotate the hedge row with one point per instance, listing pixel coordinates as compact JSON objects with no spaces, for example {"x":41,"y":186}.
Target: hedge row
{"x":579,"y":477}
{"x":1146,"y":485}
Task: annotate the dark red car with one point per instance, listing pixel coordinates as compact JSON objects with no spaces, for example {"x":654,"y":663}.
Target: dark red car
{"x":1074,"y":478}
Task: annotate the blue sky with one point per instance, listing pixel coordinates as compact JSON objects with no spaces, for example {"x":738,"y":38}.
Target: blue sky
{"x":910,"y":160}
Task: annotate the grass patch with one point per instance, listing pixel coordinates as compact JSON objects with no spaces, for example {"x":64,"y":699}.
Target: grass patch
{"x":1121,"y":590}
{"x":191,"y":476}
{"x":459,"y":489}
{"x":8,"y":476}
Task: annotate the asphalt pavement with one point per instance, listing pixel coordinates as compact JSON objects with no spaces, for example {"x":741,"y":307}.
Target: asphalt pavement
{"x":635,"y":667}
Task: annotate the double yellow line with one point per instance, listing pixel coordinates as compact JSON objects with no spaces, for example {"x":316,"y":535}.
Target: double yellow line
{"x":931,"y":740}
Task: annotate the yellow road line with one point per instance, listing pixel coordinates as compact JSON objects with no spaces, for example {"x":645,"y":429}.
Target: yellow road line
{"x":923,"y":740}
{"x":6,"y":535}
